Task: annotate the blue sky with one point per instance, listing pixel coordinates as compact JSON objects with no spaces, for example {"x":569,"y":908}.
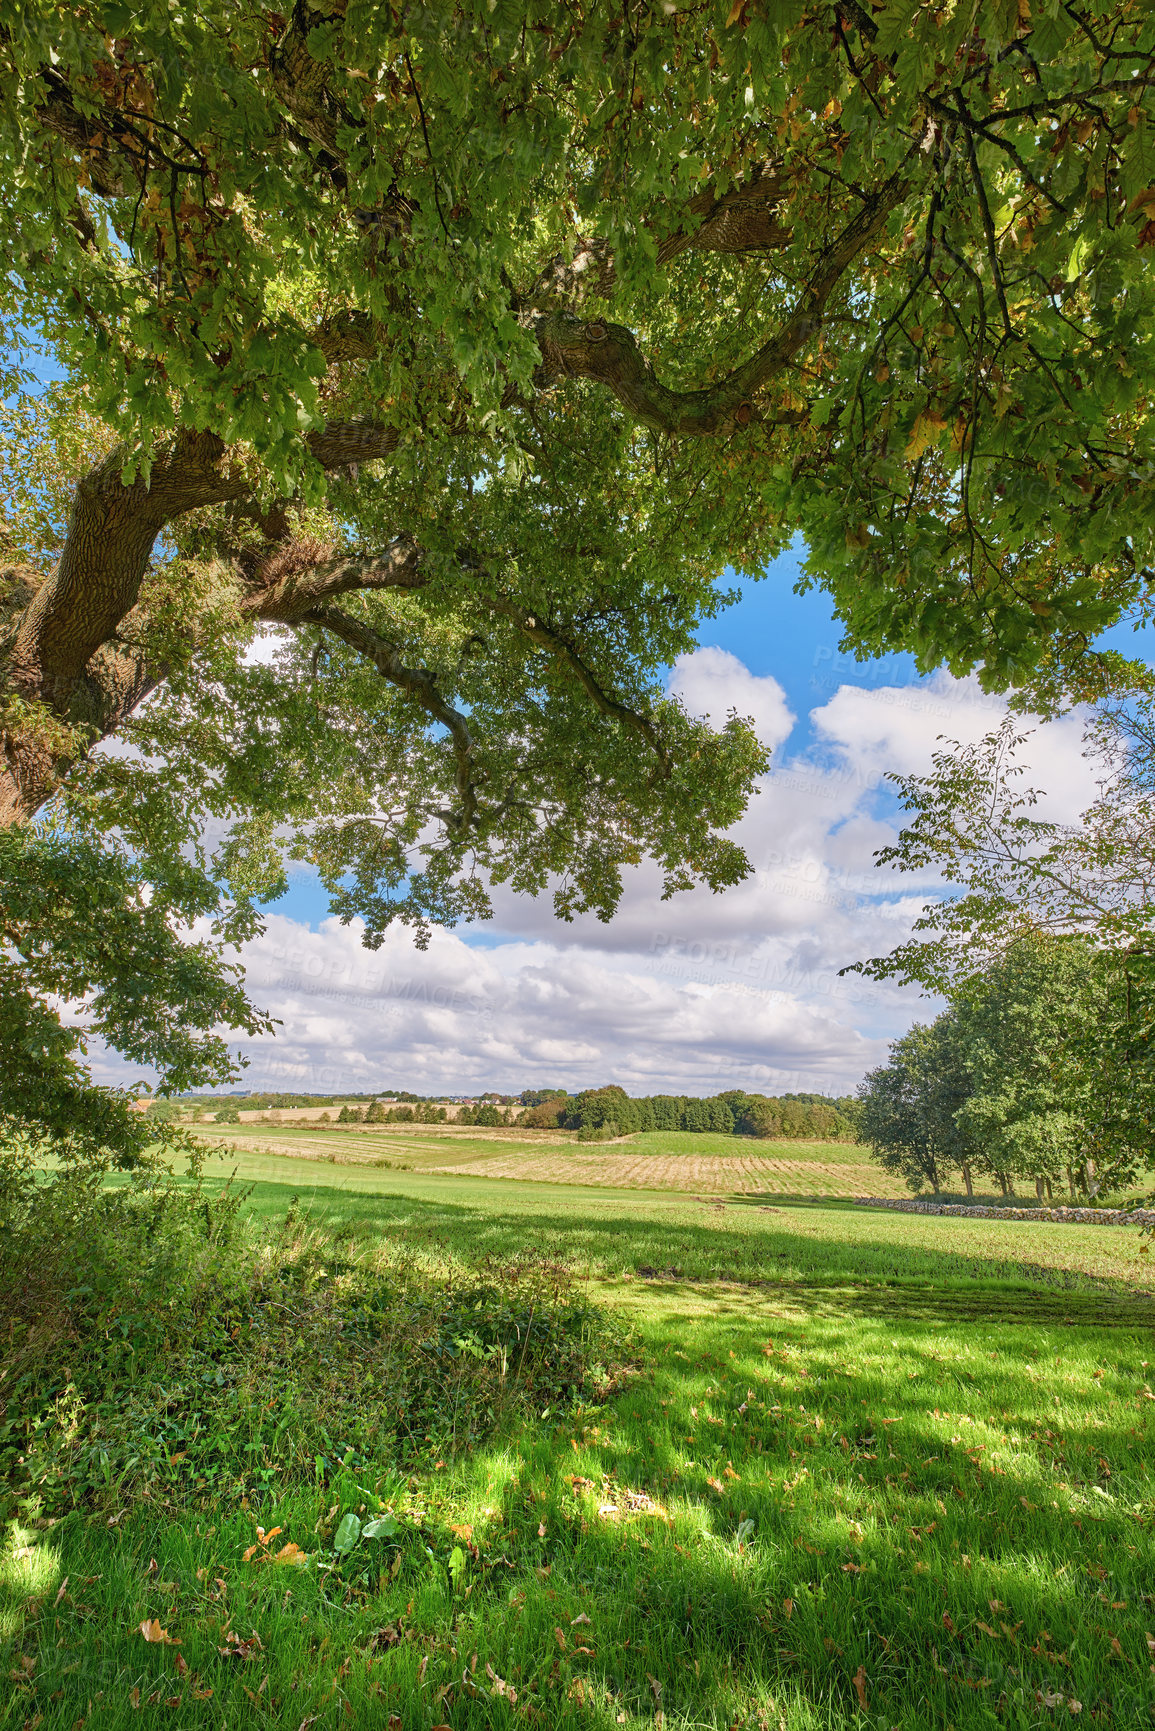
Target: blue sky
{"x":700,"y":993}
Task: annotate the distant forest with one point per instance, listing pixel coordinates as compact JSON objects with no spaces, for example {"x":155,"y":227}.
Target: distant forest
{"x":597,"y":1114}
{"x":602,"y":1113}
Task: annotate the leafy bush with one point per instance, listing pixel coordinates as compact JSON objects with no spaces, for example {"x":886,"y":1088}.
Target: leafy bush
{"x":546,"y":1115}
{"x":606,"y":1132}
{"x":165,"y":1348}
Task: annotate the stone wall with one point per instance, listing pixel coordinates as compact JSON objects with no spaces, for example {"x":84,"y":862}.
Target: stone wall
{"x":985,"y":1211}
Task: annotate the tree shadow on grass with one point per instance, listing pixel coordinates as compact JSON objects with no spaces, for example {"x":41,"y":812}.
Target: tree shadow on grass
{"x":755,"y":1248}
{"x":802,"y":1513}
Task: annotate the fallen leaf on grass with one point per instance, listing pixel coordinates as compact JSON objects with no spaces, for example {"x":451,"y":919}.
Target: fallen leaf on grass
{"x":541,"y":1531}
{"x":134,"y":1699}
{"x":852,"y":1568}
{"x":987,"y":1630}
{"x":152,"y":1631}
{"x":859,"y":1681}
{"x":580,"y":1618}
{"x":263,"y":1540}
{"x":500,"y":1686}
{"x":788,"y":1608}
{"x":716,"y":1485}
{"x":235,"y":1648}
{"x":655,"y":1686}
{"x":181,"y":1665}
{"x":463,"y":1532}
{"x":559,"y":1635}
{"x":61,"y":1593}
{"x":387,"y":1637}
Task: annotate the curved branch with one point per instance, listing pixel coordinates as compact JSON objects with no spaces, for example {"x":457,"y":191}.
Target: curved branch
{"x":294,"y":578}
{"x":610,"y":354}
{"x":417,"y":683}
{"x":546,"y":638}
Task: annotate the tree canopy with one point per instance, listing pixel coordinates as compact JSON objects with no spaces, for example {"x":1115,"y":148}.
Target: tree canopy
{"x":463,"y":346}
{"x":1040,"y":1069}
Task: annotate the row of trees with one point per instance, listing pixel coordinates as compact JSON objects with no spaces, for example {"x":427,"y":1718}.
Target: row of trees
{"x":1042,"y":1069}
{"x":379,"y":1113}
{"x":794,"y":1116}
{"x":1038,"y":1072}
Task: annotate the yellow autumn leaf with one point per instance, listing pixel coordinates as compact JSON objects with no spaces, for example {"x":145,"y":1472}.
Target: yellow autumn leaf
{"x":152,"y":1631}
{"x":924,"y":433}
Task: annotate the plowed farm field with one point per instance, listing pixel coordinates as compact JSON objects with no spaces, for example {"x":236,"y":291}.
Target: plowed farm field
{"x":712,"y":1164}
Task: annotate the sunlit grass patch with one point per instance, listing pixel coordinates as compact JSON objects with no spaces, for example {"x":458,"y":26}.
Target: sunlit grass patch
{"x":902,"y":1485}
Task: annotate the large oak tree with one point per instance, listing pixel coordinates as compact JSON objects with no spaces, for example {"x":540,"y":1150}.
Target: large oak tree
{"x":464,"y":345}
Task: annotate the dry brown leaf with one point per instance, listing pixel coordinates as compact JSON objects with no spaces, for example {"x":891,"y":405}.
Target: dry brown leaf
{"x":860,"y":1686}
{"x":559,"y":1635}
{"x":788,"y":1608}
{"x":291,"y":1553}
{"x":580,"y":1618}
{"x":152,"y":1631}
{"x":134,"y":1699}
{"x":987,"y":1630}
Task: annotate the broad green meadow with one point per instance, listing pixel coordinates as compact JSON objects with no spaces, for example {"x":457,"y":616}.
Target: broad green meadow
{"x":849,"y":1469}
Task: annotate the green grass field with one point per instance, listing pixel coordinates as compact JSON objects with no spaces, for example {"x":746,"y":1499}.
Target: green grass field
{"x":653,"y":1160}
{"x":865,"y":1470}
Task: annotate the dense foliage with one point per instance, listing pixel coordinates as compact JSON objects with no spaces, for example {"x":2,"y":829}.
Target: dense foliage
{"x":610,"y":1111}
{"x":158,"y":1345}
{"x":458,"y":349}
{"x":1040,"y":1071}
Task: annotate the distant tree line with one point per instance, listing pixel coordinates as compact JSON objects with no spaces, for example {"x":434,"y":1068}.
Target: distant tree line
{"x":1040,"y":1071}
{"x":380,"y":1113}
{"x":605,"y":1112}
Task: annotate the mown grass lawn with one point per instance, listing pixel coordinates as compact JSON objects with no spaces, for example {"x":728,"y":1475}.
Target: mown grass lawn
{"x":904,"y":1481}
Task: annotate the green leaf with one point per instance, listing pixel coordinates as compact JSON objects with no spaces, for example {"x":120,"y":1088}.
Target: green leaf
{"x":347,"y":1534}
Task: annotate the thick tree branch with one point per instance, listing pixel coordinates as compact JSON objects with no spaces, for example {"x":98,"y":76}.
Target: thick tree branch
{"x":293,"y":579}
{"x":610,"y":354}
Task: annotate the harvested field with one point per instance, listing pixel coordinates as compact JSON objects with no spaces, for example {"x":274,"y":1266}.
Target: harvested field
{"x":622,"y":1171}
{"x":719,"y":1165}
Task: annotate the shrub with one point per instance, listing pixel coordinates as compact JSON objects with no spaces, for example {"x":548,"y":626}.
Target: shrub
{"x":547,"y":1115}
{"x":598,"y":1133}
{"x":157,"y":1345}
